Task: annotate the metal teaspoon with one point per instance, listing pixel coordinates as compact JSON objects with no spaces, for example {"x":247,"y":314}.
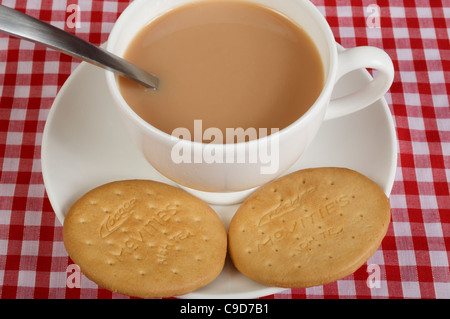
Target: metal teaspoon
{"x":18,"y":24}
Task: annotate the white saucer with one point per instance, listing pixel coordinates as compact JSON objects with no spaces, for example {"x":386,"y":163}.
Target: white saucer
{"x":85,"y":146}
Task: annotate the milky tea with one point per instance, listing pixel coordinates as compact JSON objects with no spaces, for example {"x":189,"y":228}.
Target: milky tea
{"x":225,"y":65}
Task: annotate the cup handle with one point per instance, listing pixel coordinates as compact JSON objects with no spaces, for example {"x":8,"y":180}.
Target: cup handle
{"x":357,"y":58}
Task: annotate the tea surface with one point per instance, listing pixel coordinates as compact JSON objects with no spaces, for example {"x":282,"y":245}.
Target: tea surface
{"x":230,"y":64}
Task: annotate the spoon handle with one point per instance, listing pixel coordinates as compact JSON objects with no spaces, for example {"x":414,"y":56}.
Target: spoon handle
{"x":23,"y":26}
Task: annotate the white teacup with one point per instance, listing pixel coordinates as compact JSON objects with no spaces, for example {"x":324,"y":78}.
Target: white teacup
{"x":241,"y":169}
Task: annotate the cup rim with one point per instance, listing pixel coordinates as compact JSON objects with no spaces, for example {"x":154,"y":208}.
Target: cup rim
{"x":112,"y":83}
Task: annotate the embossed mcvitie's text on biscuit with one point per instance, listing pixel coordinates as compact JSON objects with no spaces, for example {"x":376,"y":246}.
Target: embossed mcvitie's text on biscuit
{"x":298,"y":219}
{"x":128,"y":231}
{"x":115,"y":220}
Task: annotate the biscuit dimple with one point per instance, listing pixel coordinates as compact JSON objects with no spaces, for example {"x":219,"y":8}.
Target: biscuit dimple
{"x":138,"y":238}
{"x":306,"y":228}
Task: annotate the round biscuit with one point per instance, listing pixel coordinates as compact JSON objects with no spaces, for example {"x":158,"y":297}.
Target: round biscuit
{"x":308,"y":228}
{"x":145,"y":239}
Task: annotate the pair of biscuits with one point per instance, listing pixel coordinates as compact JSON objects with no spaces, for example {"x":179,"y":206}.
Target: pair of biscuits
{"x":309,"y":228}
{"x":145,"y":239}
{"x":149,"y":239}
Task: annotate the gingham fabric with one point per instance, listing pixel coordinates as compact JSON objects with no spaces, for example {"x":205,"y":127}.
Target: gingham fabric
{"x":413,"y":259}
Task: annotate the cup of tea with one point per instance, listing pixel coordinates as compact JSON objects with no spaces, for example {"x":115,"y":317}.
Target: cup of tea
{"x":244,"y":87}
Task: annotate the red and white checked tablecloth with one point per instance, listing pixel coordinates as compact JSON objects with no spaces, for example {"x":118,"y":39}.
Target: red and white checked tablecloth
{"x":414,"y":256}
